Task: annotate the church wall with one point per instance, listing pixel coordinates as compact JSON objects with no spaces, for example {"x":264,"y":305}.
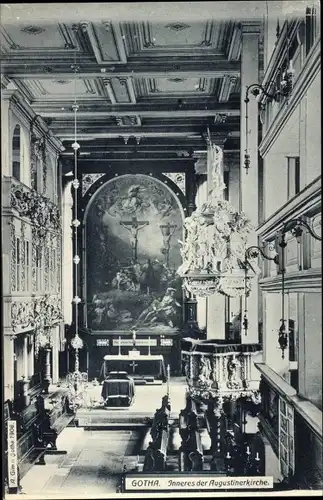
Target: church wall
{"x":26,"y":285}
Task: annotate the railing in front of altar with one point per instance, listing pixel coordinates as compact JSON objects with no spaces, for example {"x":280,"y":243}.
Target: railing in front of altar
{"x":213,"y":368}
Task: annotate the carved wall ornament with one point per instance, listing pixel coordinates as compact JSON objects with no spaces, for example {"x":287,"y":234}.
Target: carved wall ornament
{"x":21,"y":315}
{"x":37,"y":153}
{"x":23,"y":256}
{"x":13,"y":258}
{"x":234,"y":380}
{"x":177,"y":26}
{"x":178,"y":178}
{"x":33,"y":30}
{"x":220,"y":118}
{"x":43,"y":214}
{"x":34,"y":250}
{"x":88,"y":180}
{"x":39,"y":314}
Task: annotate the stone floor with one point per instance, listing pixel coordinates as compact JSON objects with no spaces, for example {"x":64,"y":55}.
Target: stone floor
{"x":147,"y":399}
{"x":92,"y":465}
{"x":95,"y":459}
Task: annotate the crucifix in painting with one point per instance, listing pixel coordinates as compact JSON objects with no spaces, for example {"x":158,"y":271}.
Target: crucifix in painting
{"x":134,"y":227}
{"x":167,"y":232}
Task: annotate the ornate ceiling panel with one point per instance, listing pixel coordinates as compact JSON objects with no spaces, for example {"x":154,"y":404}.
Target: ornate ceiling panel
{"x":141,"y":87}
{"x":174,"y":86}
{"x":61,"y":89}
{"x":16,"y":38}
{"x":143,"y":39}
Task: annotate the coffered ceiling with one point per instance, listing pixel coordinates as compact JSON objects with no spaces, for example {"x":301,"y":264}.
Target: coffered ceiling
{"x":145,"y":87}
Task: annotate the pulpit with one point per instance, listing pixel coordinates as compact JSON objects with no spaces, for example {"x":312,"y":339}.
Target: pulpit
{"x":118,"y":389}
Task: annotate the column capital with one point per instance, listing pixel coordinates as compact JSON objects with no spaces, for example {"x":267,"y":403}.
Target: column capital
{"x":250,"y":27}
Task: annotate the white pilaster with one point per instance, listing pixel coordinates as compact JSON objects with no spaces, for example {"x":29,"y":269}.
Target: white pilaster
{"x":5,"y":137}
{"x":201,"y":197}
{"x":8,"y":356}
{"x":31,"y":355}
{"x":67,"y":256}
{"x":55,"y":355}
{"x":249,"y":178}
{"x":25,"y":356}
{"x":216,"y":302}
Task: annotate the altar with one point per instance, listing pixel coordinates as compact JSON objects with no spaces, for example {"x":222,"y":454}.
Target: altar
{"x":135,"y":365}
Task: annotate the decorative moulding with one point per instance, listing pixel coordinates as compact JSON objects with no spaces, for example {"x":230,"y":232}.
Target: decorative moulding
{"x":309,"y":280}
{"x":39,"y":313}
{"x":300,"y":87}
{"x":43,"y":214}
{"x":309,"y":199}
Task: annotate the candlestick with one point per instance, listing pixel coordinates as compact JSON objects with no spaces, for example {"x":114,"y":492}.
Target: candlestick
{"x":228,"y":456}
{"x":148,"y":346}
{"x":248,"y":450}
{"x":134,"y":338}
{"x":119,"y":345}
{"x":257,"y":457}
{"x":168,"y":377}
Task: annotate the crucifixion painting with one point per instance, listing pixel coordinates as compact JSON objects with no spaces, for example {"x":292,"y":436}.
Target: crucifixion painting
{"x":167,"y":232}
{"x":132,"y":253}
{"x":134,"y":226}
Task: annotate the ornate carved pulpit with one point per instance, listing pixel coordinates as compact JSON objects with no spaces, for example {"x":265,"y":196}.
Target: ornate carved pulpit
{"x":118,"y":389}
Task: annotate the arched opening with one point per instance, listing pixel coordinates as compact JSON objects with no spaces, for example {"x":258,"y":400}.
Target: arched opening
{"x":16,"y":153}
{"x":133,"y":227}
{"x":50,"y":181}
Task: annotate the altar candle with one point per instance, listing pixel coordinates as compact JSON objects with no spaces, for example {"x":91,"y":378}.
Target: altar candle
{"x":228,"y":456}
{"x":149,"y":346}
{"x":248,"y":450}
{"x":257,"y":456}
{"x":119,"y":345}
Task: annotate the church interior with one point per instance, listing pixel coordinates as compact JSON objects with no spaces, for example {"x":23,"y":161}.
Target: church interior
{"x":161,"y":244}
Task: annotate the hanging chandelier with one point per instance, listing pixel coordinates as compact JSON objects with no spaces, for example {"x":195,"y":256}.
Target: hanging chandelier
{"x":216,"y":235}
{"x":76,"y":379}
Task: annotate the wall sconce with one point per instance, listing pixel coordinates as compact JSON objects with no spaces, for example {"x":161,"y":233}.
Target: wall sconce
{"x":251,"y":253}
{"x":296,"y":226}
{"x":258,"y":91}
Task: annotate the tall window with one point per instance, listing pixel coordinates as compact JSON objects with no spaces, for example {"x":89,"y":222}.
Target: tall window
{"x":53,"y":269}
{"x":27,"y":257}
{"x":16,"y":153}
{"x":39,"y":268}
{"x":293,"y":176}
{"x":312,"y":28}
{"x":18,"y":270}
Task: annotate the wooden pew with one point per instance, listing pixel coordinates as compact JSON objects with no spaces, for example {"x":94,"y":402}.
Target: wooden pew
{"x":156,"y":453}
{"x":191,"y":450}
{"x":52,"y":421}
{"x":39,"y":424}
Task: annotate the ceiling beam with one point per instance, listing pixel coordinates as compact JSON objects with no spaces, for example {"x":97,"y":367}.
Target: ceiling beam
{"x":151,"y":69}
{"x":153,"y":110}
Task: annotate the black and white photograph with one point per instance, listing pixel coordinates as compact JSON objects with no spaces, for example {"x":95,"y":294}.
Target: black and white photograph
{"x":161,"y":249}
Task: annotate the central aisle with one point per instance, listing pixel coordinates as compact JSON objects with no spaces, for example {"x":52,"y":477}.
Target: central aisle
{"x":95,"y":459}
{"x":92,"y":465}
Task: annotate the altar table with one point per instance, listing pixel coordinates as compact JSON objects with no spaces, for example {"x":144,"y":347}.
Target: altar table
{"x":145,"y":365}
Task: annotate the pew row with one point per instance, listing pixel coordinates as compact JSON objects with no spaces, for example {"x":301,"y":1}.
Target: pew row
{"x":156,"y":453}
{"x":191,"y":451}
